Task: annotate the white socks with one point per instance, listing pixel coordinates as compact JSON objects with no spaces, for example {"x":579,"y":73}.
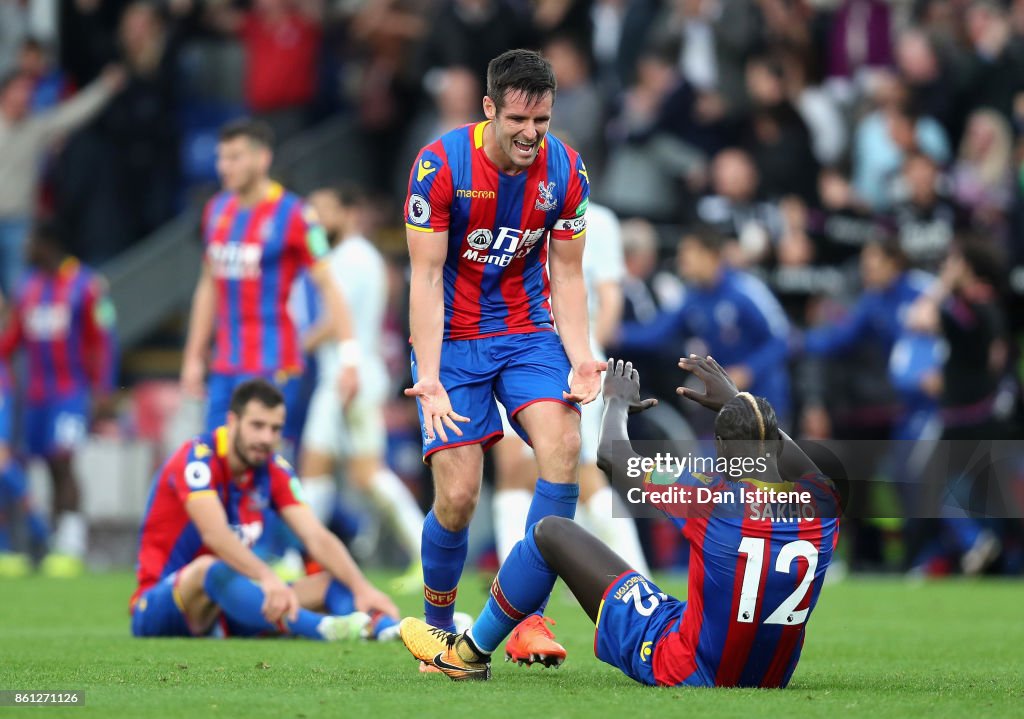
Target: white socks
{"x":396,"y":501}
{"x":619,"y":533}
{"x":70,"y":536}
{"x":510,"y":508}
{"x":320,"y":494}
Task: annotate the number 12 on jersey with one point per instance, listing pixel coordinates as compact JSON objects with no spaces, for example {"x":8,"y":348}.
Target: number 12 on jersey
{"x":787,"y":612}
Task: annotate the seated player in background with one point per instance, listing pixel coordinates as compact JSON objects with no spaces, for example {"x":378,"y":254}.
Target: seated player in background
{"x":196,"y":571}
{"x":355,"y":430}
{"x":753,"y":581}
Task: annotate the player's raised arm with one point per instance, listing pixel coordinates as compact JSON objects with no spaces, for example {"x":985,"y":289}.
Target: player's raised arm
{"x":719,"y":389}
{"x":621,"y":399}
{"x":207,"y":514}
{"x":200,"y":333}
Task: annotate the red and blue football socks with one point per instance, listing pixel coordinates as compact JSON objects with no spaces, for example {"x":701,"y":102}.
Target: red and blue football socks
{"x":521,"y":588}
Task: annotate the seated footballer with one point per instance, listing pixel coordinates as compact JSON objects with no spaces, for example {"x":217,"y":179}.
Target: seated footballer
{"x":755,"y":574}
{"x":197,"y":573}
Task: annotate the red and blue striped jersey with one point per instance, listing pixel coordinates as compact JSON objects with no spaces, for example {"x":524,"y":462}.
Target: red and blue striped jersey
{"x":495,"y":275}
{"x":254,"y":255}
{"x":756,"y":570}
{"x":167,"y":538}
{"x":65,"y":322}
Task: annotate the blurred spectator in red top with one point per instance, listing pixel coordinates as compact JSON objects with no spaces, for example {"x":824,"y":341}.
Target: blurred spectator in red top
{"x":282,"y":41}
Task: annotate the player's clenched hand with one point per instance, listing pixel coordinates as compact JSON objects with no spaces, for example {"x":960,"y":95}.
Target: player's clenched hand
{"x":279,"y":600}
{"x":586,"y":382}
{"x":370,"y":600}
{"x":622,"y":382}
{"x":437,"y":409}
{"x":718,"y":388}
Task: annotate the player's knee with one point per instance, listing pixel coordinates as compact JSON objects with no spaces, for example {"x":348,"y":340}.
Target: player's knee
{"x":563,"y":447}
{"x":551,"y":532}
{"x":198,"y":569}
{"x":454,"y":506}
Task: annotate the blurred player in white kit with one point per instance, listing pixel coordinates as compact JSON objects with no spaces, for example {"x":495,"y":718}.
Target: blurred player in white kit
{"x":603,"y":272}
{"x":356,"y":431}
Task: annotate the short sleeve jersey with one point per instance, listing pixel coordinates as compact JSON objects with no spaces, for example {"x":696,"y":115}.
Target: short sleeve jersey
{"x":498,"y":225}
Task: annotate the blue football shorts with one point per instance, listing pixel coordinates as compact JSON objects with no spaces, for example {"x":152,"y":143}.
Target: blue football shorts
{"x":634,"y":615}
{"x":56,"y":426}
{"x":516,"y":370}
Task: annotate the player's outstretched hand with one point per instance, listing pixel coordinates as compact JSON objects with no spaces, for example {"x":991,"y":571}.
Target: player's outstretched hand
{"x":437,"y":409}
{"x":279,"y":600}
{"x":586,"y":382}
{"x":718,"y":388}
{"x":622,"y":382}
{"x":372,"y":600}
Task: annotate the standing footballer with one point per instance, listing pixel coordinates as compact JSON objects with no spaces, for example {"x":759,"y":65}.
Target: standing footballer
{"x":258,"y":237}
{"x":483,"y":202}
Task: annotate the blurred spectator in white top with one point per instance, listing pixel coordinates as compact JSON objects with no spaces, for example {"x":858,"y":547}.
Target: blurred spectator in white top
{"x":24,"y":140}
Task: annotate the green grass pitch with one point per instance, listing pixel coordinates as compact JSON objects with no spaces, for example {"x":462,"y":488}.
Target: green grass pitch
{"x":874,"y":648}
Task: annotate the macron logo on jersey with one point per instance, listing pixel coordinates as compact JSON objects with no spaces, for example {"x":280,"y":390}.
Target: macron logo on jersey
{"x":477,"y":194}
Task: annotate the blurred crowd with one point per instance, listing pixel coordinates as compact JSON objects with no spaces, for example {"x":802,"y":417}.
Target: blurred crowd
{"x":857,"y":164}
{"x":903,"y":114}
